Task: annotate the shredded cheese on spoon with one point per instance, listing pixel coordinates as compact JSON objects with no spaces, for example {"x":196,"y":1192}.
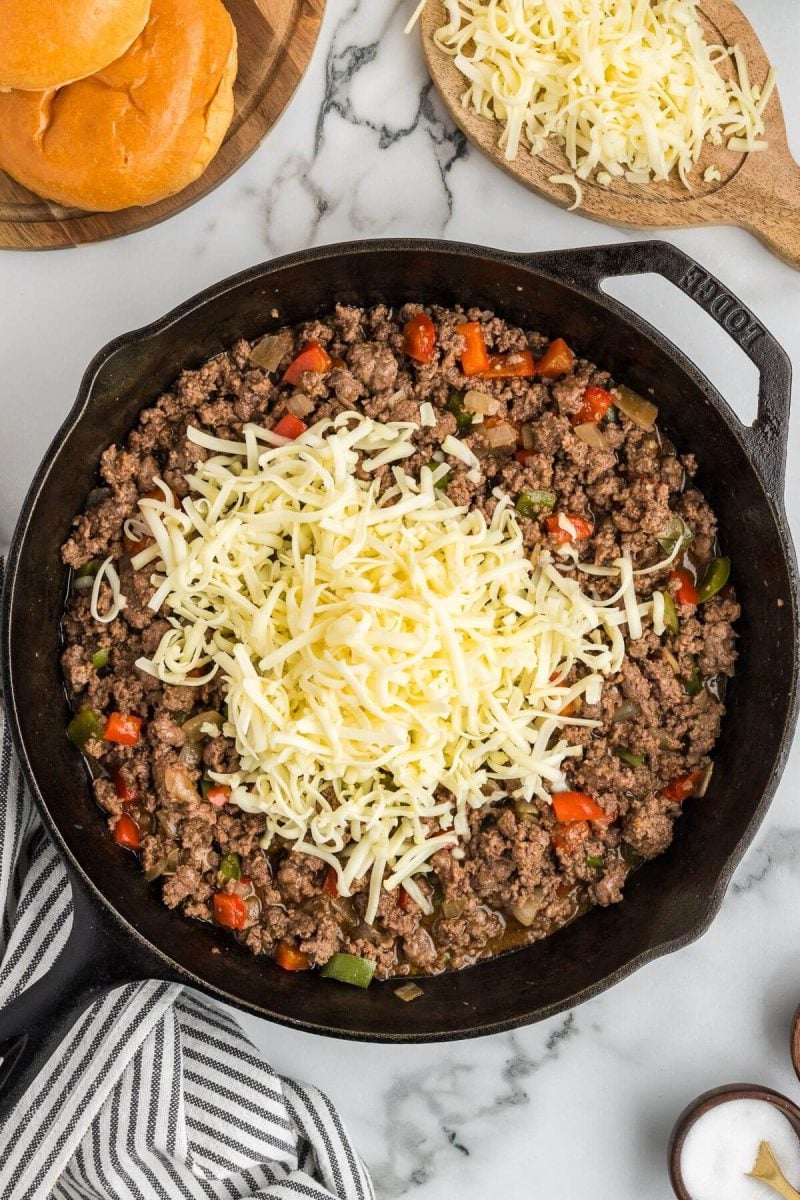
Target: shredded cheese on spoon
{"x":389,"y":659}
{"x":628,"y":87}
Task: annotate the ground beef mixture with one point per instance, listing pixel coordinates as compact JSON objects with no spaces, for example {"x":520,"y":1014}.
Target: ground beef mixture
{"x":522,"y":874}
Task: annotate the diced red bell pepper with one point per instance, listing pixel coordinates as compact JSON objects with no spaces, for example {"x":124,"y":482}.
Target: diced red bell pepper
{"x":219,"y":795}
{"x":577,"y":806}
{"x":687,"y":591}
{"x":681,"y":788}
{"x":419,"y":338}
{"x":331,"y":885}
{"x":136,"y":545}
{"x":313,"y":357}
{"x":474,"y":356}
{"x":290,"y":426}
{"x":126,"y":832}
{"x":123,"y":728}
{"x":157,"y":494}
{"x":124,"y":790}
{"x":524,"y":456}
{"x":517,"y":364}
{"x":403,"y":899}
{"x":596,"y":403}
{"x":230,"y":910}
{"x":570,"y":709}
{"x":583,"y":528}
{"x":290,"y":959}
{"x":557,"y":360}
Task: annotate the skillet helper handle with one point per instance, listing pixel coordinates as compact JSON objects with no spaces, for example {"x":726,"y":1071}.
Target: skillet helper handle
{"x":766,"y":439}
{"x":35,"y":1023}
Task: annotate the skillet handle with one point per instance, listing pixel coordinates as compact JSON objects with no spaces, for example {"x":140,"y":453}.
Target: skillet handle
{"x":766,"y":439}
{"x":35,"y":1023}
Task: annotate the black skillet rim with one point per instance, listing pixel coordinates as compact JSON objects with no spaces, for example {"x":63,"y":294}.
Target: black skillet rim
{"x":154,"y":960}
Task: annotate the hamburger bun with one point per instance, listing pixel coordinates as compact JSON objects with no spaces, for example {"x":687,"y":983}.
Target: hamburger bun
{"x":47,"y":43}
{"x":140,"y":129}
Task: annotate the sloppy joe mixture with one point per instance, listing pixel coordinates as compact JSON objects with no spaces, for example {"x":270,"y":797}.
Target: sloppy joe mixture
{"x":396,"y":639}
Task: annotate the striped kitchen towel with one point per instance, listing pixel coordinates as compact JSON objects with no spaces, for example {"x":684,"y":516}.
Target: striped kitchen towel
{"x":156,"y":1092}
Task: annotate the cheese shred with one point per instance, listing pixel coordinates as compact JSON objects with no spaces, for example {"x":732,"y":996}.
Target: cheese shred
{"x":630,"y":88}
{"x":389,"y":659}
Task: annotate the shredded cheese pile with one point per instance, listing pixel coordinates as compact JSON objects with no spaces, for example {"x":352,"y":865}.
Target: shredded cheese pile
{"x":390,"y":661}
{"x":629,"y":87}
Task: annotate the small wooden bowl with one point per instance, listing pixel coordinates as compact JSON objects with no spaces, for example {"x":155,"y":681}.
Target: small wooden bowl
{"x":795,"y":1043}
{"x":723,"y":1095}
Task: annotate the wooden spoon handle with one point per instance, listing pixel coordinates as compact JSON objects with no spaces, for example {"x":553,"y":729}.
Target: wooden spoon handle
{"x":771,"y":209}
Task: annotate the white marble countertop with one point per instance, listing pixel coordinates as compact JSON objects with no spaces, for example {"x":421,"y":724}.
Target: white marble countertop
{"x":582,"y":1104}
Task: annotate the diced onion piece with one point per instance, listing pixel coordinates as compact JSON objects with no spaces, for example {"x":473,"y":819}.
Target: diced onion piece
{"x":642,"y":412}
{"x":501,"y":436}
{"x":409,"y":991}
{"x":480,"y":402}
{"x":592,"y":435}
{"x":670,"y":658}
{"x":299,"y":405}
{"x":190,"y":754}
{"x":270,"y":351}
{"x":197,"y":727}
{"x":628,"y":710}
{"x":527,"y":910}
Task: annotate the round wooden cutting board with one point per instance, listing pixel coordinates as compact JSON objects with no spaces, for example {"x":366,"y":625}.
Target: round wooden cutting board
{"x":759,"y":191}
{"x":276,"y":40}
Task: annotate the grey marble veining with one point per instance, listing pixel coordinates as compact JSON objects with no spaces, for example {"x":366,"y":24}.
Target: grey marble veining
{"x":580,"y":1105}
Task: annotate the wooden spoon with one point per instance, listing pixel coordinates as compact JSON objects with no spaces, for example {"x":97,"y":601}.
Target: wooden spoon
{"x":759,"y":191}
{"x":767,"y":1170}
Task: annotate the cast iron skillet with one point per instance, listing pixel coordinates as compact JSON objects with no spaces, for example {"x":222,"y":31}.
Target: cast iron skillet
{"x":123,"y":932}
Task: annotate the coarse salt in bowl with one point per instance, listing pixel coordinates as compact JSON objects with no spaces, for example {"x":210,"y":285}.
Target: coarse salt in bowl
{"x":721,"y":1146}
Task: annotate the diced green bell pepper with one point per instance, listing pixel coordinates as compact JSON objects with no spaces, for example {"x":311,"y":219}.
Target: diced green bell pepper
{"x":671,"y":614}
{"x":455,"y":405}
{"x":529,"y":504}
{"x":677,"y":535}
{"x":88,"y":570}
{"x":694,"y":684}
{"x":628,"y":756}
{"x":349,"y":968}
{"x":595,"y":861}
{"x":715,"y":578}
{"x":632,"y":857}
{"x":100,"y":659}
{"x":85,"y":726}
{"x":230,"y":868}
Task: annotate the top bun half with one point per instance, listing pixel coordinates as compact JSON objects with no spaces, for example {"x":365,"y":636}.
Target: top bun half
{"x":47,"y":43}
